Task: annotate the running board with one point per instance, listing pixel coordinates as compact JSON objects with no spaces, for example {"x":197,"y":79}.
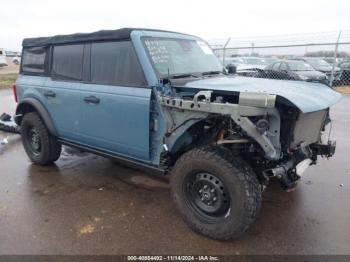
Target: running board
{"x":128,"y":162}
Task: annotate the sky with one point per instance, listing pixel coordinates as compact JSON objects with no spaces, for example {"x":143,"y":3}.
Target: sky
{"x":207,"y":19}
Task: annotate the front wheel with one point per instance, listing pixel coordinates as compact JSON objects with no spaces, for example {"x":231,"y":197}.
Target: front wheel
{"x":217,"y":194}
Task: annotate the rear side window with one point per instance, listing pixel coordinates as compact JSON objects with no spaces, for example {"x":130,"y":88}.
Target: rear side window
{"x":68,"y":62}
{"x":34,"y":60}
{"x":115,"y":63}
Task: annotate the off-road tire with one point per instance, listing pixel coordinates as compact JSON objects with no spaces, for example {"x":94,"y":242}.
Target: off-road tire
{"x":242,"y":185}
{"x":50,"y":149}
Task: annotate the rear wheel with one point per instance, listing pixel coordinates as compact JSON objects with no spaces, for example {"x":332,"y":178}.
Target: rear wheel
{"x":217,"y":194}
{"x":41,"y":147}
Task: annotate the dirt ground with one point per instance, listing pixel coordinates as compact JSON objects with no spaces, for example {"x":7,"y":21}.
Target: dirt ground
{"x":8,"y":74}
{"x":86,"y":204}
{"x":343,"y":89}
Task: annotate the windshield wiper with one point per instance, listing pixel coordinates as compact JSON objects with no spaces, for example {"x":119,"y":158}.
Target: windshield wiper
{"x":212,"y":73}
{"x":183,"y":76}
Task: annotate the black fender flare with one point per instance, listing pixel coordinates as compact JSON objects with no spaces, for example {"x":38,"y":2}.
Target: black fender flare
{"x":39,"y":108}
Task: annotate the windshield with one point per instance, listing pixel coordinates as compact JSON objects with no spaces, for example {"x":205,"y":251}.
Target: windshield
{"x":300,"y":66}
{"x":181,"y":56}
{"x":317,"y":62}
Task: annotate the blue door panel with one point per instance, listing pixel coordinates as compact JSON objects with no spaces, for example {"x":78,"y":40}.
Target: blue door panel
{"x":119,"y":123}
{"x":64,"y":108}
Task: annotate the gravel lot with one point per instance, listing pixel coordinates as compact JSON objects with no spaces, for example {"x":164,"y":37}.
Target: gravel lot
{"x":86,"y":204}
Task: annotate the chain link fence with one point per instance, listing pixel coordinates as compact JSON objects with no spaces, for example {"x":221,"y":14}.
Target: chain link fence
{"x":317,"y":57}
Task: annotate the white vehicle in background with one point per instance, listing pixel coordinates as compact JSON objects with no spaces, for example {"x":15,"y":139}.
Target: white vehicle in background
{"x":252,"y":62}
{"x":16,"y":60}
{"x":248,"y":65}
{"x":2,"y":57}
{"x":233,"y":61}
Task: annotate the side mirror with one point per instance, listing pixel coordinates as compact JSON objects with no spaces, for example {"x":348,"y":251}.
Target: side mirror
{"x":231,"y":69}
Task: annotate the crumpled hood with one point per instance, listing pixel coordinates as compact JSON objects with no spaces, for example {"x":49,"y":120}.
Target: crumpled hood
{"x":308,"y":97}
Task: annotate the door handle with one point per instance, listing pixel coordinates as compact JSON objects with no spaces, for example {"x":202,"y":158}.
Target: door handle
{"x":49,"y":93}
{"x":92,"y":99}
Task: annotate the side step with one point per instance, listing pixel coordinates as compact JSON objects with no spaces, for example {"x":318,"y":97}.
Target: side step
{"x":126,"y":161}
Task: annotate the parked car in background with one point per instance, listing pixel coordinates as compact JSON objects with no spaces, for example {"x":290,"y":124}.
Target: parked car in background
{"x":344,"y":78}
{"x":321,"y":65}
{"x":233,"y":61}
{"x":12,"y":53}
{"x":2,"y":57}
{"x":16,"y":60}
{"x":255,"y":62}
{"x":292,"y":70}
{"x":332,"y":60}
{"x":248,"y":66}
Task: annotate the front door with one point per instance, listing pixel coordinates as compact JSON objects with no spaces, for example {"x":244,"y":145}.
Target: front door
{"x":115,"y":107}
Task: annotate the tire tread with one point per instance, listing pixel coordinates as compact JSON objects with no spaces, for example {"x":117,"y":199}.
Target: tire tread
{"x":245,"y":175}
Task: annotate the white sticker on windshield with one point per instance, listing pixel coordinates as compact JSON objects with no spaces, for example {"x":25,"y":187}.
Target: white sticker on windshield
{"x":205,"y":48}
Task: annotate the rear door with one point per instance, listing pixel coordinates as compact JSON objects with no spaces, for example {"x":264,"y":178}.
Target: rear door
{"x":115,"y":106}
{"x":62,"y":89}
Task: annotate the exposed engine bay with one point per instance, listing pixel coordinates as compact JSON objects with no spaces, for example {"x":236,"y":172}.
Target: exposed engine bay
{"x":276,"y":139}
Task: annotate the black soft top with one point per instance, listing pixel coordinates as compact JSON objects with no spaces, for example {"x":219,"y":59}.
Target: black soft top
{"x":103,"y":35}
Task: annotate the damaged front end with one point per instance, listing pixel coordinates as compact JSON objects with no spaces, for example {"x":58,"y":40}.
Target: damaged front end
{"x":301,"y":138}
{"x":276,"y":139}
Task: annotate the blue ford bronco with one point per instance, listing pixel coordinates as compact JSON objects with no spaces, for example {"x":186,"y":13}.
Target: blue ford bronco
{"x":162,"y":101}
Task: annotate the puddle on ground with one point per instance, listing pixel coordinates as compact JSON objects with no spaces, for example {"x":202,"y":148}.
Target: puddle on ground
{"x":70,"y":151}
{"x":149,"y":182}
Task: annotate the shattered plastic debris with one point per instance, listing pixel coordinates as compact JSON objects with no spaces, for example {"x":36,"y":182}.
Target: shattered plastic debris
{"x":7,"y":124}
{"x":5,"y":117}
{"x":4,"y":141}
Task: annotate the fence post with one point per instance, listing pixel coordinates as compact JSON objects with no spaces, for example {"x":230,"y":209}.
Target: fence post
{"x":335,"y":59}
{"x":224,"y":51}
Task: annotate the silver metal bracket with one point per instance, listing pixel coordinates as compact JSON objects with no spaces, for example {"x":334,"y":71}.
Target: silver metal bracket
{"x":270,"y":141}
